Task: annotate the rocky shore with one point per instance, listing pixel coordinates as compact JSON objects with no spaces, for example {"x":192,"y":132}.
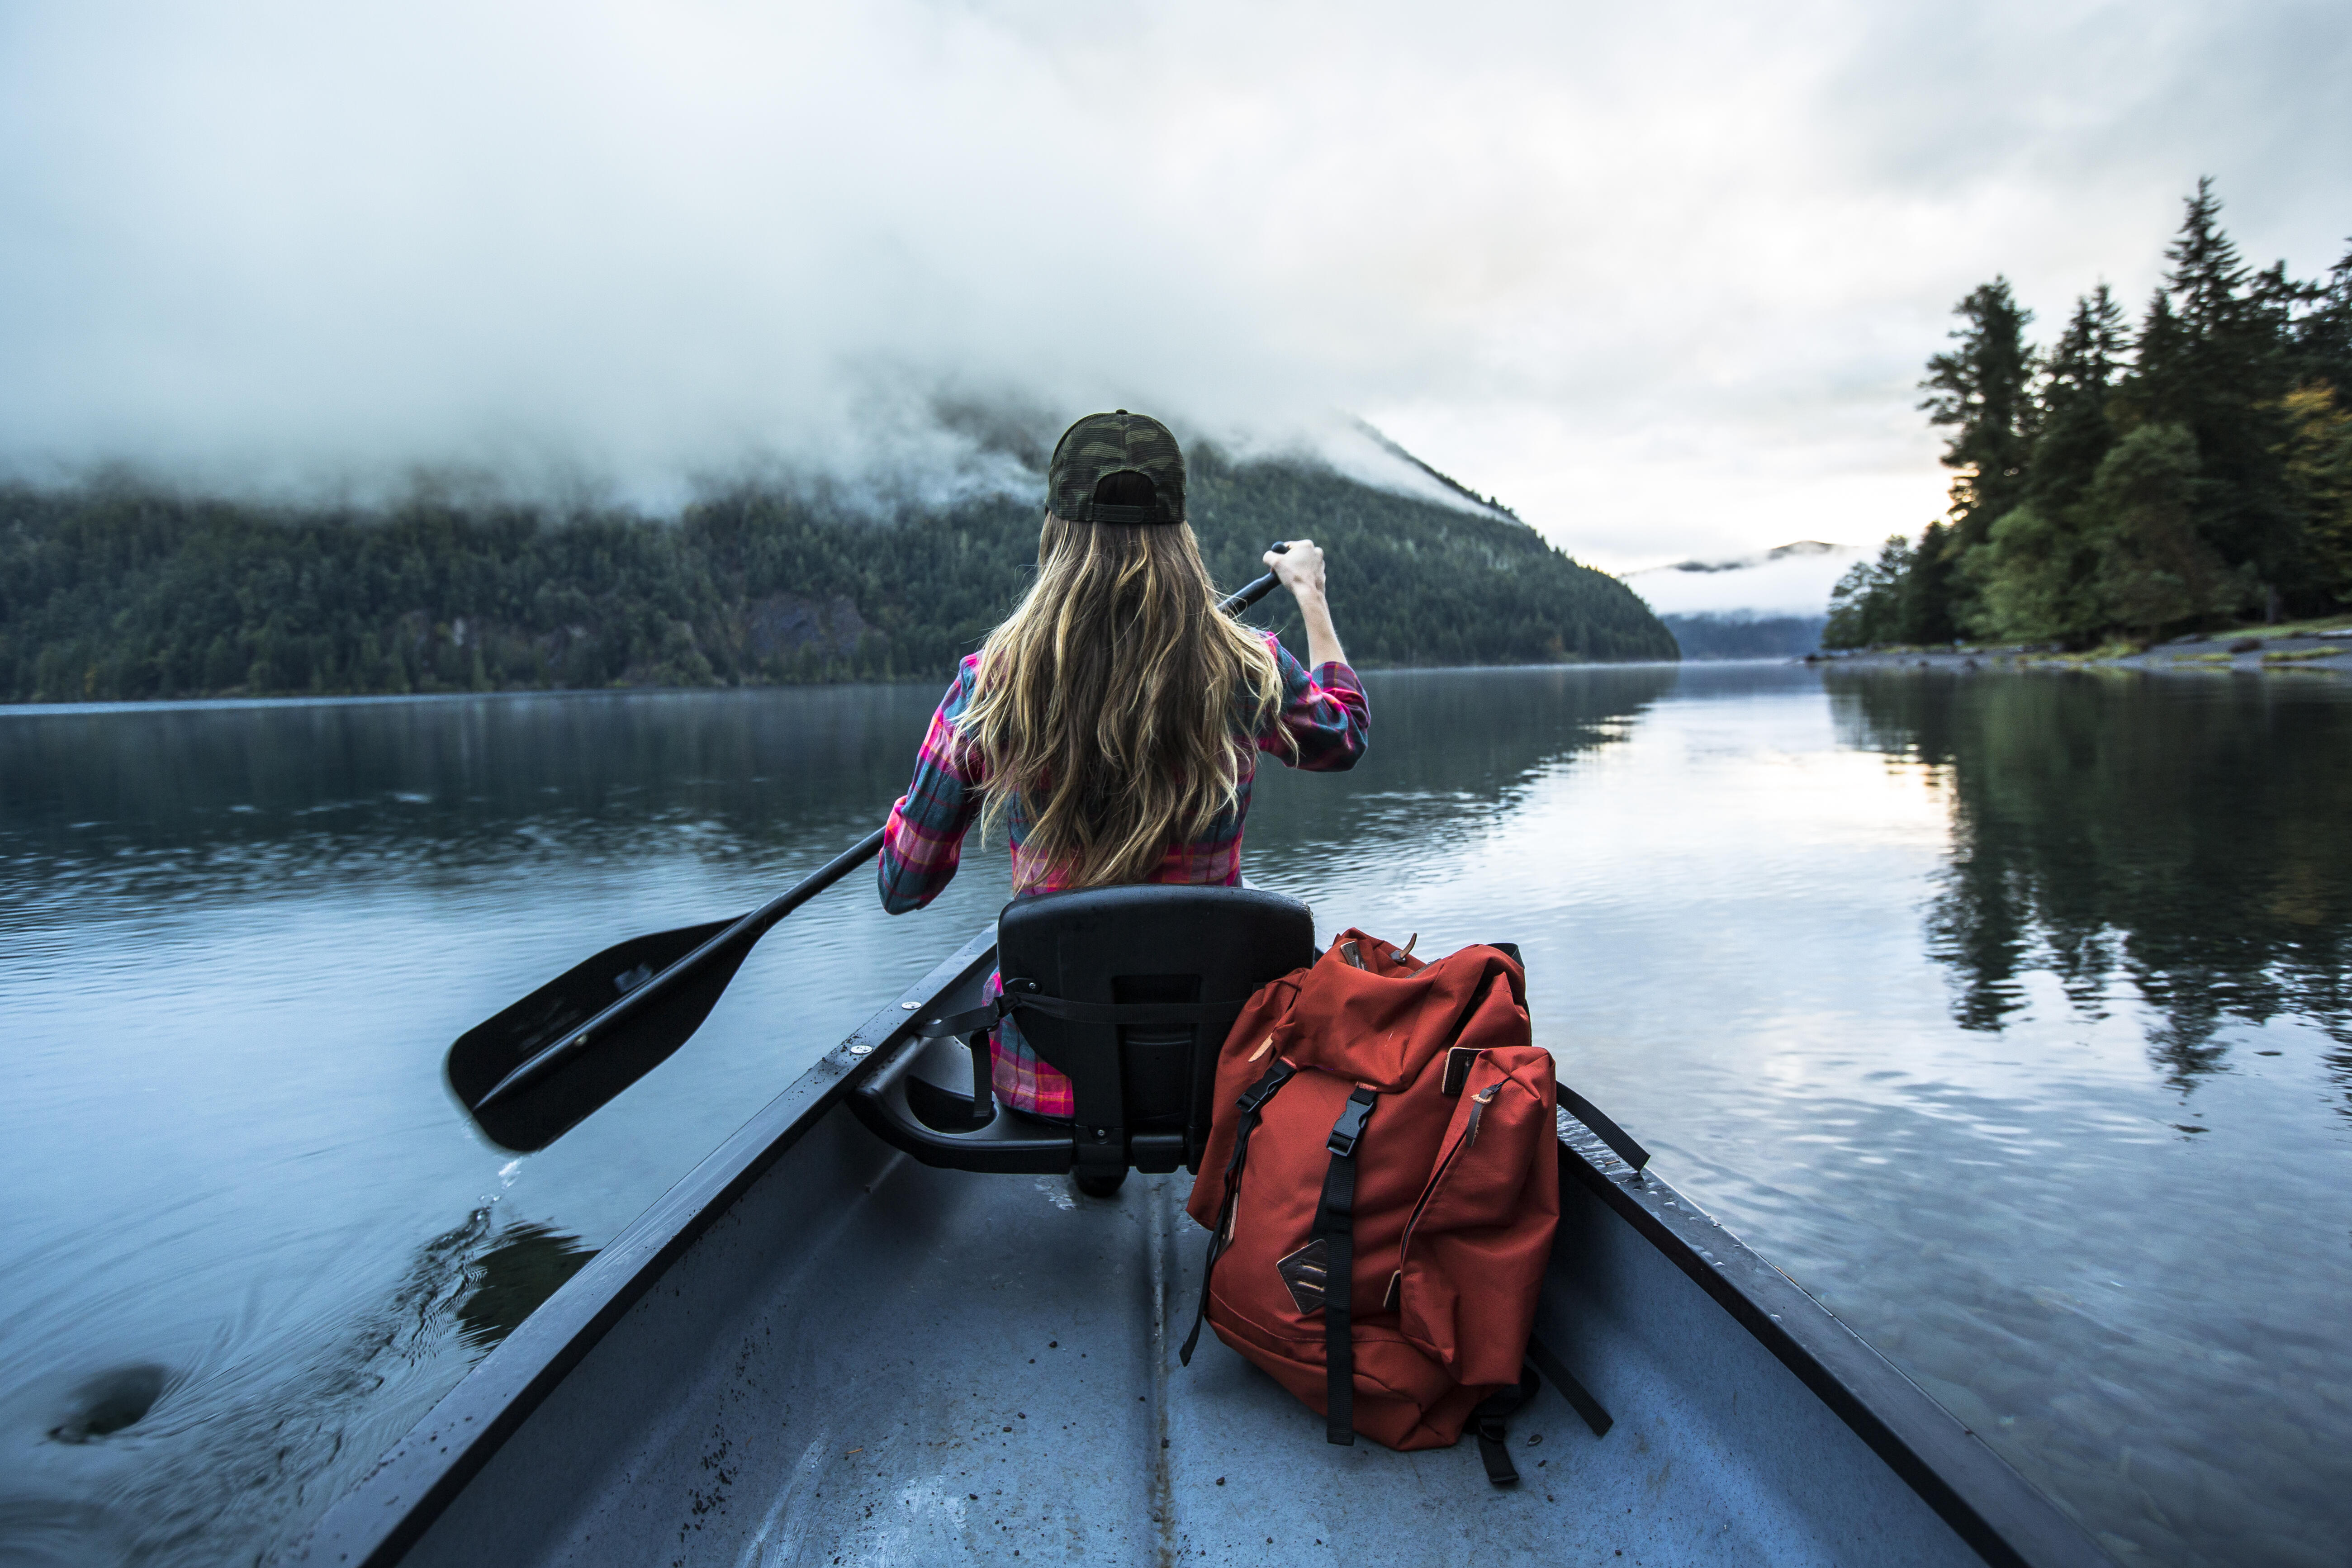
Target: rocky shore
{"x":2274,"y":651}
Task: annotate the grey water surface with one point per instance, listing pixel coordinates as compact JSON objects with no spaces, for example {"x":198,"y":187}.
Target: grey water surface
{"x":2009,"y":1014}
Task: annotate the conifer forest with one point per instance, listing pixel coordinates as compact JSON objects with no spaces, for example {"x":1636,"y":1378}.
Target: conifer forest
{"x":111,"y":593}
{"x":2127,"y":483}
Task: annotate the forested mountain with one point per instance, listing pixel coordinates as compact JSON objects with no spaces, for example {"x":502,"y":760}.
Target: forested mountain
{"x":109,"y":593}
{"x":1744,"y":635}
{"x":2129,"y":483}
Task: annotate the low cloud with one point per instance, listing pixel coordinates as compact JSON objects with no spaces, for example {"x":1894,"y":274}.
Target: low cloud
{"x":1661,"y":279}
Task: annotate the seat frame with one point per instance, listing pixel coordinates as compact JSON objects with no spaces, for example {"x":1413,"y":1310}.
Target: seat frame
{"x":1128,"y":992}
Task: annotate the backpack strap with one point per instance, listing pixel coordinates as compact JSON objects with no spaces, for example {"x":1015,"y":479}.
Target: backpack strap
{"x":1487,"y":1420}
{"x":1252,"y":1104}
{"x":1335,"y":1226}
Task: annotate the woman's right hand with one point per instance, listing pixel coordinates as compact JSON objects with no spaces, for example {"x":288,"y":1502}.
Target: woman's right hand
{"x":1299,"y":568}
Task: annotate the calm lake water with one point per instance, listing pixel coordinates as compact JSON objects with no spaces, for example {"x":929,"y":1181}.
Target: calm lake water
{"x":2009,"y":1014}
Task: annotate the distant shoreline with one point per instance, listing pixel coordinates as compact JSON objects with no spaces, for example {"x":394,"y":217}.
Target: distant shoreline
{"x":2328,"y":652}
{"x":374,"y":698}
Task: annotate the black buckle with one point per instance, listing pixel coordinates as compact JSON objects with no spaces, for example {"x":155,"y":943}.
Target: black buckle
{"x":1350,"y":1125}
{"x":1258,"y":1093}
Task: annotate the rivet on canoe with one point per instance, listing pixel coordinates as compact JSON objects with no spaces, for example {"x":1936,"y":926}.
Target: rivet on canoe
{"x":909,"y":1006}
{"x":860,"y":1048}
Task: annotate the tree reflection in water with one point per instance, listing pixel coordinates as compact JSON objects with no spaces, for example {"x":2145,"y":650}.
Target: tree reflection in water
{"x":2191,"y":837}
{"x":510,"y":1279}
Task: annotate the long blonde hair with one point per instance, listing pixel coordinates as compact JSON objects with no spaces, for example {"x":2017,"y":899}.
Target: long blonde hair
{"x":1116,"y":702}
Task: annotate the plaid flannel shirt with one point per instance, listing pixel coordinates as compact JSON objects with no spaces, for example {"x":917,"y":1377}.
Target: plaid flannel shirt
{"x":1323,"y":714}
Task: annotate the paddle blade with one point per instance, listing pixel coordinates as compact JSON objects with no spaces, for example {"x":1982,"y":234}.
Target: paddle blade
{"x":621,"y":1054}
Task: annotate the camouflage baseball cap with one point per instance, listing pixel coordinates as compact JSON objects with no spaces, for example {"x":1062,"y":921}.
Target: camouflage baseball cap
{"x":1116,"y":468}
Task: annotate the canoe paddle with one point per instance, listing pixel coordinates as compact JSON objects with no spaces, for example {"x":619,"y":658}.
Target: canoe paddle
{"x":529,"y":1074}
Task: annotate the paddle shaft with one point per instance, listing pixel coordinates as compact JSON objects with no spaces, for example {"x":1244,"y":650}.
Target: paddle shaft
{"x":658,"y":989}
{"x":1251,"y":593}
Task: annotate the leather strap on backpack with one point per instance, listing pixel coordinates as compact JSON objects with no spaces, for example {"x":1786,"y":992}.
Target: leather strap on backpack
{"x":1252,"y":1104}
{"x":1335,"y":1226}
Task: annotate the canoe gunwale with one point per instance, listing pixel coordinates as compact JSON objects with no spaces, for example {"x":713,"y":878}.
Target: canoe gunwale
{"x":383,"y":1515}
{"x":2003,"y":1517}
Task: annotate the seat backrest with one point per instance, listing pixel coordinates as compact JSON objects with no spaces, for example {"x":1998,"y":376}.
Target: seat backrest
{"x":1142,"y":1091}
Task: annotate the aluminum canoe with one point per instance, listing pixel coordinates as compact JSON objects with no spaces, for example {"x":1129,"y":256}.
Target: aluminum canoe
{"x":814,"y":1350}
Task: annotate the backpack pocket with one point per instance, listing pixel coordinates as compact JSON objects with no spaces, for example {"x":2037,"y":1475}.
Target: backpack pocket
{"x":1473,"y":1252}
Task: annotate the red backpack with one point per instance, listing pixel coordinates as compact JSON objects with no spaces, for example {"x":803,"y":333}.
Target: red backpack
{"x":1388,"y":1122}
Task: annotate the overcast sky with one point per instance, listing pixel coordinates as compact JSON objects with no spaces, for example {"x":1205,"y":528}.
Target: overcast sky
{"x":1661,"y":278}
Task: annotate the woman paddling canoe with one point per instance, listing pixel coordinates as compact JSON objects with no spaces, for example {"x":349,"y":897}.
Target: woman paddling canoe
{"x":1114,"y":719}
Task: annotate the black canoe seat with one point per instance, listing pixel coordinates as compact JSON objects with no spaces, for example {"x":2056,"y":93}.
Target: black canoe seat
{"x":1130,"y":990}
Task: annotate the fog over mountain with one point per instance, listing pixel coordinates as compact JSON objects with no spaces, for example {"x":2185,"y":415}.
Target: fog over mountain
{"x":1662,"y":282}
{"x":1770,"y":604}
{"x":1793,"y":579}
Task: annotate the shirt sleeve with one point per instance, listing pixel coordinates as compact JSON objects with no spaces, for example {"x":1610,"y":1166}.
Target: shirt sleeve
{"x":1324,"y":714}
{"x":923,"y":840}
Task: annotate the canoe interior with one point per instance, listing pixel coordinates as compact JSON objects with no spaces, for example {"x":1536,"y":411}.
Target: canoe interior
{"x":872,"y":1361}
{"x":855,"y":1359}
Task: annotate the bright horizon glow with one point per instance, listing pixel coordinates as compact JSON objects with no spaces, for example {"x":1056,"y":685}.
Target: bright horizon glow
{"x":1662,"y":282}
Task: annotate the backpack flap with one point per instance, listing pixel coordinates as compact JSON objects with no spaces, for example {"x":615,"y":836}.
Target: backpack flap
{"x":1365,"y":1012}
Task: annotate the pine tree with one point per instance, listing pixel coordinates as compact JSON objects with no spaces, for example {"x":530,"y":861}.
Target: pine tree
{"x":1866,"y":605}
{"x":2158,"y":391}
{"x":2222,"y":380}
{"x":2074,"y":423}
{"x":1982,"y":389}
{"x":2031,"y":578}
{"x":2323,"y":336}
{"x":1923,"y":600}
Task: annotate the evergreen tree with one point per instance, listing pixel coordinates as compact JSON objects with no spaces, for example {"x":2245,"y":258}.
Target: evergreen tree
{"x":2218,"y":368}
{"x":2157,"y":391}
{"x":1982,"y":391}
{"x":2074,"y":423}
{"x":2030,"y":580}
{"x":1923,"y":600}
{"x":2156,"y":570}
{"x":2204,"y":483}
{"x":2323,"y":336}
{"x":2319,"y":483}
{"x":1866,"y":605}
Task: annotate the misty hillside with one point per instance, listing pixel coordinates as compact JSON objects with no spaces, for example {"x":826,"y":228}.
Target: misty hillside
{"x":1741,"y":634}
{"x":111,"y":593}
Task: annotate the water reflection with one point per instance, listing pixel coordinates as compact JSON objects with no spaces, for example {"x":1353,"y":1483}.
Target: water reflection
{"x":513,"y":1277}
{"x":228,"y":1458}
{"x":240,"y":938}
{"x":214,"y":798}
{"x":2194,"y":842}
{"x":243,"y":934}
{"x":1454,"y":751}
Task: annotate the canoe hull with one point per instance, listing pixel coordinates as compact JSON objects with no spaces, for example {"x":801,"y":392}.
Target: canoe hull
{"x":851,"y":1356}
